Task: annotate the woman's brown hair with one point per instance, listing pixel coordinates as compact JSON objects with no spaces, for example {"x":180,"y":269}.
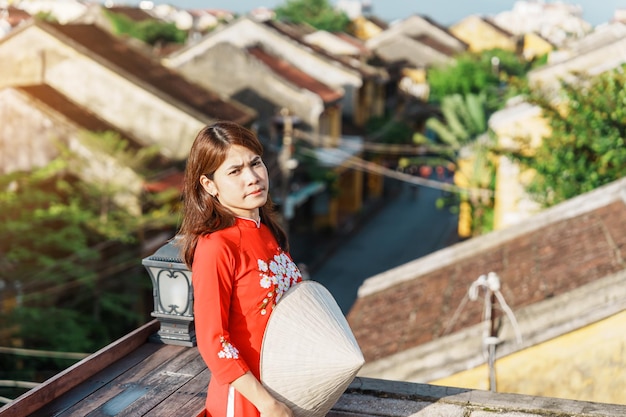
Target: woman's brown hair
{"x":202,"y":213}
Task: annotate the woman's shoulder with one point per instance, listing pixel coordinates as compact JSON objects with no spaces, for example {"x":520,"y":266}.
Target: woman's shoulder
{"x":228,"y":237}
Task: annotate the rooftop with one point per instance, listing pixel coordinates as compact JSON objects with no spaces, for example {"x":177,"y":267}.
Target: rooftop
{"x":570,"y":246}
{"x":136,"y":376}
{"x":112,"y":51}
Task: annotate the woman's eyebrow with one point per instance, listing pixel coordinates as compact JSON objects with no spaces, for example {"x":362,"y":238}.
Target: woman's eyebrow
{"x":234,"y":166}
{"x":237,"y":166}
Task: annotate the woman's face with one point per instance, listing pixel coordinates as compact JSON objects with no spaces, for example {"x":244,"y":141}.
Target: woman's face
{"x":241,"y":183}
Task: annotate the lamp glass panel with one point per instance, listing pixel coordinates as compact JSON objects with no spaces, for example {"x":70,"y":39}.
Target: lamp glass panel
{"x":173,"y":290}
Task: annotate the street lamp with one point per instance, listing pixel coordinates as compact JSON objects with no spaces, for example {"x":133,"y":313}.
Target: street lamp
{"x":173,"y":295}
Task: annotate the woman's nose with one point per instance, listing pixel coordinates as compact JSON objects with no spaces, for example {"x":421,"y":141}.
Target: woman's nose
{"x":251,"y":175}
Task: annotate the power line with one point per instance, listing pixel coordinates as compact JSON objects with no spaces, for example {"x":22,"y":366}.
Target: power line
{"x":18,"y":384}
{"x":387,"y":148}
{"x":339,"y":156}
{"x":43,"y":353}
{"x":59,"y":287}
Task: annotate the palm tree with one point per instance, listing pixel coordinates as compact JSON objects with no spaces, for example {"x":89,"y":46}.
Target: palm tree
{"x":463,"y":129}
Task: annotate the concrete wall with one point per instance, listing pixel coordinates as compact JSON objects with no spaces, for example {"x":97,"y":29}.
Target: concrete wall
{"x":227,"y":69}
{"x":518,"y":127}
{"x":28,"y":137}
{"x":374,"y":397}
{"x":31,"y":138}
{"x":586,"y":364}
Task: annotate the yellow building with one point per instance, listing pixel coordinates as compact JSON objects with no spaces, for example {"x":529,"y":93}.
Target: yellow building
{"x":535,"y":46}
{"x":593,"y":358}
{"x":519,"y":126}
{"x":482,"y":34}
{"x":364,"y":28}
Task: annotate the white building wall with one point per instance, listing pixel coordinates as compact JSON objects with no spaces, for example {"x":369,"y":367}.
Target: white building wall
{"x":31,"y":138}
{"x":246,"y":32}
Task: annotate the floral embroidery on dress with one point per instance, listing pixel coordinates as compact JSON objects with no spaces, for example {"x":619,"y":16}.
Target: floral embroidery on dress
{"x":278,"y":276}
{"x":228,"y":350}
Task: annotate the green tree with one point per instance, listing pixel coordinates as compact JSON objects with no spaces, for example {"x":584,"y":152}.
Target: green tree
{"x":586,"y":148}
{"x":152,"y":32}
{"x":464,"y":119}
{"x":487,"y":72}
{"x":463,"y":132}
{"x":61,"y":259}
{"x":390,"y":130}
{"x":318,"y":13}
{"x":468,"y":92}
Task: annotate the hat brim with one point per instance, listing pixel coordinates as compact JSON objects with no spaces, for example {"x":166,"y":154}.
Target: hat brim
{"x":309,"y":355}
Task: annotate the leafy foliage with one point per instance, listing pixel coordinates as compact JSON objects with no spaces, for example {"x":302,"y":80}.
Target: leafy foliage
{"x":462,"y":130}
{"x":478,"y":73}
{"x":318,"y":13}
{"x":468,"y":92}
{"x":43,"y":226}
{"x":463,"y":119}
{"x":152,"y":32}
{"x":60,"y":260}
{"x":587,"y":147}
{"x":46,"y":17}
{"x":388,"y":130}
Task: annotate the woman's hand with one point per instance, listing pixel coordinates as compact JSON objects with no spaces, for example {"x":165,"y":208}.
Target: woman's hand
{"x":255,"y":392}
{"x":276,"y":409}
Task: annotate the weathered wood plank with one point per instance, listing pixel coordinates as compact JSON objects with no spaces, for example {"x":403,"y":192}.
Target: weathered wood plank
{"x":156,"y":388}
{"x":128,"y":380}
{"x":189,"y":400}
{"x":64,"y":381}
{"x":96,"y":382}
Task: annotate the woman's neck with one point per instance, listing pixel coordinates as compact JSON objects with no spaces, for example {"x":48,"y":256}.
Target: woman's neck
{"x":256,"y":220}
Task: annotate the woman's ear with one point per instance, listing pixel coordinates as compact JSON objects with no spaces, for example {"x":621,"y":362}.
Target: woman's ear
{"x":208,"y":185}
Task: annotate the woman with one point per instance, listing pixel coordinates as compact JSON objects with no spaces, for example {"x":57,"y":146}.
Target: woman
{"x":238,"y":254}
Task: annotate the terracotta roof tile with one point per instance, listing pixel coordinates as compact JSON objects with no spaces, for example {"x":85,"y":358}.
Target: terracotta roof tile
{"x":17,"y":16}
{"x":60,"y":103}
{"x":347,"y":62}
{"x":172,"y":180}
{"x":119,"y":54}
{"x":355,"y":42}
{"x":294,"y":75}
{"x":77,"y":114}
{"x":436,"y":45}
{"x":381,"y":23}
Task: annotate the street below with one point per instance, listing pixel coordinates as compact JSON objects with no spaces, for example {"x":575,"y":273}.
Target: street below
{"x":407,"y":227}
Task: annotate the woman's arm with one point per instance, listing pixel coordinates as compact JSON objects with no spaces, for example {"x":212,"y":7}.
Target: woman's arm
{"x":212,"y":271}
{"x":255,"y":392}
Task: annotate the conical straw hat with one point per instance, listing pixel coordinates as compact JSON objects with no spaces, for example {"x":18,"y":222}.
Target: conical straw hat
{"x":309,"y":355}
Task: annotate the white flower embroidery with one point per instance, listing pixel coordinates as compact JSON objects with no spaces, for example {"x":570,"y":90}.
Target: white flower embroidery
{"x":266,"y":281}
{"x":228,"y":351}
{"x":281,"y":273}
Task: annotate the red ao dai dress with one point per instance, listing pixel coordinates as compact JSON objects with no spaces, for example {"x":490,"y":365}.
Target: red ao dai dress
{"x":239,"y":273}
